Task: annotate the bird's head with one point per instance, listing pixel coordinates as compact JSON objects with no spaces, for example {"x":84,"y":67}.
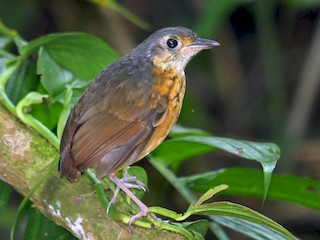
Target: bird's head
{"x":174,"y":47}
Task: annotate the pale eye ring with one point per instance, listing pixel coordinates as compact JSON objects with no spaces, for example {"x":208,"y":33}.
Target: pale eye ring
{"x":172,"y":43}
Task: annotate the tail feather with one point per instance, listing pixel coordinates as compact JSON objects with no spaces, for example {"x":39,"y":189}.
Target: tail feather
{"x":66,"y":168}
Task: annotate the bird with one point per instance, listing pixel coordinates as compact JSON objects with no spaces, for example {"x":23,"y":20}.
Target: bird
{"x":129,"y":109}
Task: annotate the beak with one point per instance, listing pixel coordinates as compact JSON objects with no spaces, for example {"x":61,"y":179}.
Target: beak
{"x":201,"y":43}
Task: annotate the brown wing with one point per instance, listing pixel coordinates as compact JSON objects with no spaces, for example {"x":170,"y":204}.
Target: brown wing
{"x":108,"y":128}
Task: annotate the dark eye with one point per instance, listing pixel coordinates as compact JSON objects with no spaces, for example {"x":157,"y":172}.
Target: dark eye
{"x":172,"y":43}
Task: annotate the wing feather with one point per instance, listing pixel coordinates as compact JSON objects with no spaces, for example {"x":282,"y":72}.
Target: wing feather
{"x":109,"y":127}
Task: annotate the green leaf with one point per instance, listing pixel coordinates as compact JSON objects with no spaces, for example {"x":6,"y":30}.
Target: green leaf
{"x":4,"y":41}
{"x":181,"y":148}
{"x":177,"y":150}
{"x":181,"y":131}
{"x":39,"y":227}
{"x":199,"y":226}
{"x":80,"y":53}
{"x":4,"y":30}
{"x":23,"y":81}
{"x":5,"y":194}
{"x":247,"y":182}
{"x":228,"y":209}
{"x":254,"y":230}
{"x":47,"y":113}
{"x":168,"y":152}
{"x":23,"y":111}
{"x":210,"y":193}
{"x":64,"y":113}
{"x":55,"y":78}
{"x":141,"y":175}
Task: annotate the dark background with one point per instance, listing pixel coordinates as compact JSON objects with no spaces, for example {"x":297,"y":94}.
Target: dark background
{"x":262,"y":84}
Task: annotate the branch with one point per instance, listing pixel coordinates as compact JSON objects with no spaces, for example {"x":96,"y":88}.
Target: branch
{"x":25,"y":157}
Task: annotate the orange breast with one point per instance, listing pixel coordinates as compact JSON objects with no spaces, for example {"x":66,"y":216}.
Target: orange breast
{"x":169,"y":91}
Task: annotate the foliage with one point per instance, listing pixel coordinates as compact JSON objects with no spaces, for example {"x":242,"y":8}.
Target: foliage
{"x":43,"y":82}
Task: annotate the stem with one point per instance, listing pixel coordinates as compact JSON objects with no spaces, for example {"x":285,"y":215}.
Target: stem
{"x":184,"y":191}
{"x":4,"y":78}
{"x":171,"y":177}
{"x":29,"y":120}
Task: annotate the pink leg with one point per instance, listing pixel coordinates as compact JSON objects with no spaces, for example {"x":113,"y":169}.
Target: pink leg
{"x":114,"y":198}
{"x":143,"y":208}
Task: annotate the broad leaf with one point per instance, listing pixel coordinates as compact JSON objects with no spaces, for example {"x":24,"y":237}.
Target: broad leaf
{"x":26,"y":80}
{"x":236,"y":211}
{"x":247,"y":182}
{"x":254,"y":230}
{"x":80,"y":53}
{"x":228,"y":210}
{"x":55,"y":78}
{"x":181,"y":148}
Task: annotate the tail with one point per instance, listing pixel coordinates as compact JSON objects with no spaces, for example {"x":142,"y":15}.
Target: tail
{"x":66,"y":167}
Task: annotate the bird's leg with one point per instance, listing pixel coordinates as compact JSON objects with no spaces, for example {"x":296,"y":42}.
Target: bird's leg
{"x":114,"y":198}
{"x":124,"y":186}
{"x":128,"y":180}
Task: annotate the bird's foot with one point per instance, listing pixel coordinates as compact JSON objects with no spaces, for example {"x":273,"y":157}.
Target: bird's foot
{"x":125,"y":184}
{"x":133,"y":182}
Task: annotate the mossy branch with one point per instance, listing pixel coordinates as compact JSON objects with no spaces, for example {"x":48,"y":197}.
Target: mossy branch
{"x":25,"y":157}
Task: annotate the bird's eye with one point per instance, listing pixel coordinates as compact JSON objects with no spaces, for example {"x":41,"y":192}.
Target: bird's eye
{"x":172,"y":43}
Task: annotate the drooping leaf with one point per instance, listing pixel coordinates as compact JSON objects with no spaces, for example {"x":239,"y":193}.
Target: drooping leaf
{"x":182,"y":148}
{"x":248,"y":182}
{"x":80,"y":53}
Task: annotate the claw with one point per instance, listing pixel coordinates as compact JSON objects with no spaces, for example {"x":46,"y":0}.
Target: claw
{"x":138,"y":184}
{"x":124,"y":185}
